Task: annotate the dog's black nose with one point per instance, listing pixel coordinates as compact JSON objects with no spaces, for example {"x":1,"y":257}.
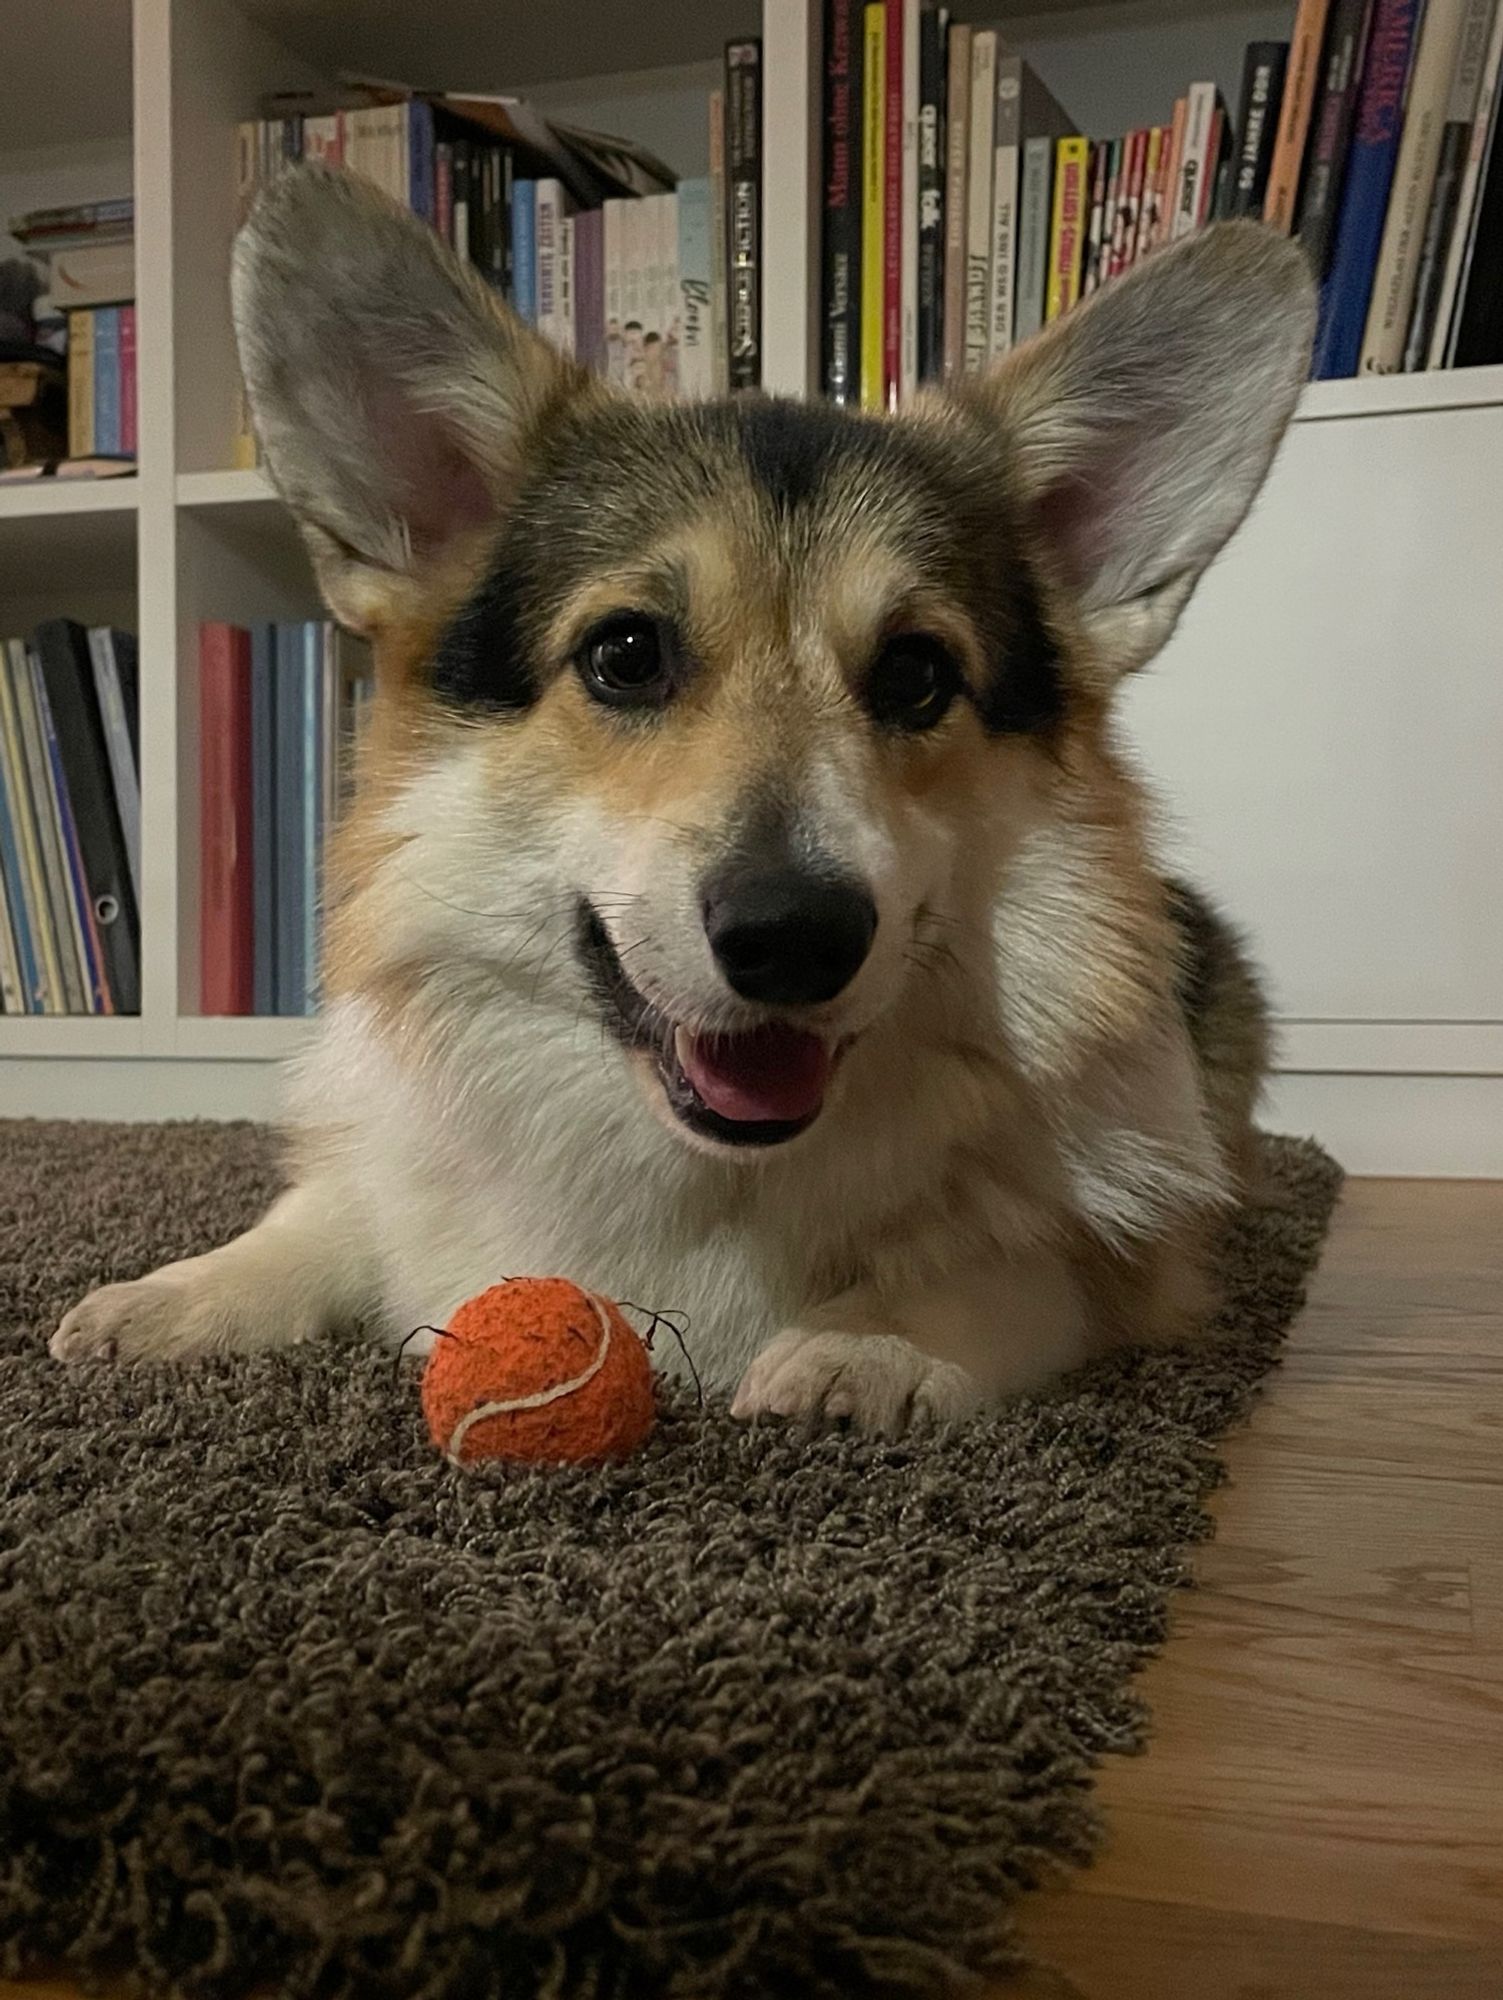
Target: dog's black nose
{"x":789,"y":938}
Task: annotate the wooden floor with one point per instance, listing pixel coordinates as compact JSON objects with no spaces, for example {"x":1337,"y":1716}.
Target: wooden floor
{"x":1320,"y":1813}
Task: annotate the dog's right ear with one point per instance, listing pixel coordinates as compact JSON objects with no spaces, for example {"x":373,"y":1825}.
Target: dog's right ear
{"x":394,"y":396}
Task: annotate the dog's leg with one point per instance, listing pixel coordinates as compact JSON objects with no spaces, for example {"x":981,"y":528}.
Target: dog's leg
{"x":300,"y":1271}
{"x":888,"y":1364}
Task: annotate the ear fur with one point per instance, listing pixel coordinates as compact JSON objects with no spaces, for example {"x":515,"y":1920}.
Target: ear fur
{"x":393,"y":394}
{"x":1142,"y":424}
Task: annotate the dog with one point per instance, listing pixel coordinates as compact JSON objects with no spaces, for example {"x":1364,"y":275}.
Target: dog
{"x":745,"y":907}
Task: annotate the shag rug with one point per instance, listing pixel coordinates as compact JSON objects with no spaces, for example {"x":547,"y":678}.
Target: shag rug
{"x":287,"y":1700}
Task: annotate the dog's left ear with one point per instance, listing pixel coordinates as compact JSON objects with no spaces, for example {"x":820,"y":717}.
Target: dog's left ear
{"x":1140,"y":426}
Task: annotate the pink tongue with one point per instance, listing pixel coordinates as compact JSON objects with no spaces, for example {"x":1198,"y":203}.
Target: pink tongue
{"x":771,"y":1075}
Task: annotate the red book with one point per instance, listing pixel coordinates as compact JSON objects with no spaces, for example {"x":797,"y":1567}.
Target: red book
{"x":226,"y":883}
{"x":129,"y":428}
{"x":892,"y":208}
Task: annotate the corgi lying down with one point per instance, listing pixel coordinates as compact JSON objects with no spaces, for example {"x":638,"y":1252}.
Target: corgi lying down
{"x":745,"y":908}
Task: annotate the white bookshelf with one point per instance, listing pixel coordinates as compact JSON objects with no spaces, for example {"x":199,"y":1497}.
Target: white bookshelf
{"x":1326,"y":731}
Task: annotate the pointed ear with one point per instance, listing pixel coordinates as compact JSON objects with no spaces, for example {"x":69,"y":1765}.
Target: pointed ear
{"x":1142,"y":424}
{"x":394,"y":396}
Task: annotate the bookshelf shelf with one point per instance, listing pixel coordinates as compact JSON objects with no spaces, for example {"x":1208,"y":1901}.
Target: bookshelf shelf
{"x":223,"y":489}
{"x":1401,"y":395}
{"x":46,"y":499}
{"x":249,"y":1039}
{"x":72,"y":1035}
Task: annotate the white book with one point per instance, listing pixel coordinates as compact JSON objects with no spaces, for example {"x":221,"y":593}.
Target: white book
{"x":981,"y":180}
{"x":696,"y":361}
{"x":1468,"y":192}
{"x":633,"y":292}
{"x":908,"y":269}
{"x":613,"y":284}
{"x":549,"y":216}
{"x":1195,"y":159}
{"x":566,"y":292}
{"x":670,"y":323}
{"x":111,"y":698}
{"x":720,"y":353}
{"x":1007,"y":159}
{"x":1413,"y":184}
{"x":323,"y":138}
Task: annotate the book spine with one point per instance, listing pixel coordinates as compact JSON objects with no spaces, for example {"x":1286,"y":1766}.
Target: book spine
{"x":503,"y":266}
{"x":12,"y":986}
{"x":931,"y":212}
{"x":633,"y":293}
{"x":1440,"y":219}
{"x":743,"y":94}
{"x":720,"y":295}
{"x":1263,"y":74}
{"x":1302,"y":79}
{"x":107,"y":381}
{"x":422,"y":177}
{"x":1006,"y":153}
{"x":696,"y":371}
{"x":957,"y":194}
{"x":129,"y":418}
{"x":24,"y":919}
{"x":1216,"y":187}
{"x":1136,"y":189}
{"x":62,"y":650}
{"x":873,"y":183}
{"x":1477,"y":331}
{"x":908,"y":270}
{"x":613,"y":290}
{"x":460,"y":233}
{"x":1330,"y":140}
{"x":81,"y":385}
{"x":47,"y":990}
{"x":1437,"y":42}
{"x":263,"y":732}
{"x":548,"y":208}
{"x":292,"y":978}
{"x":1115,"y":173}
{"x":1098,"y":184}
{"x":568,"y":279}
{"x":1033,"y":236}
{"x":840,"y":308}
{"x":323,"y":139}
{"x":1153,"y":161}
{"x":443,"y":191}
{"x":1196,"y":165}
{"x":312,"y":685}
{"x":97,"y":998}
{"x":978,"y":251}
{"x":109,"y":693}
{"x":226,"y":823}
{"x":892,"y":205}
{"x":1489,"y":83}
{"x":524,"y":250}
{"x":1066,"y":229}
{"x":589,"y":287}
{"x":669,"y":324}
{"x":1369,"y":176}
{"x":61,"y":943}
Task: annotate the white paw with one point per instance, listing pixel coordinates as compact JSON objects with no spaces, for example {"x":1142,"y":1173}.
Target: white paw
{"x":873,"y":1381}
{"x":171,"y":1316}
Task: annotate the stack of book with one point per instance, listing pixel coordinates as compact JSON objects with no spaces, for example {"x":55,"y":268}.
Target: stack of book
{"x":963,"y":210}
{"x":70,"y":822}
{"x":281,"y":711}
{"x":587,"y":237}
{"x":87,"y":254}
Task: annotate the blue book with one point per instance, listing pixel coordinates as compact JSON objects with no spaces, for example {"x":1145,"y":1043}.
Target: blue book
{"x":1347,"y":291}
{"x":15,"y":890}
{"x":78,"y":881}
{"x":422,"y":186}
{"x":291,"y":976}
{"x":524,"y":250}
{"x":312,"y":807}
{"x":107,"y":381}
{"x":263,"y":820}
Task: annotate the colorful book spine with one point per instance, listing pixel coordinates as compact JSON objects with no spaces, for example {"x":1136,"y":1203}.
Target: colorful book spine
{"x":840,"y":309}
{"x":1369,"y":178}
{"x":696,"y":375}
{"x":1067,"y":228}
{"x":908,"y":248}
{"x":13,"y":868}
{"x":548,"y":213}
{"x":873,"y":186}
{"x":130,"y":428}
{"x":47,"y":989}
{"x":892,"y":205}
{"x":422,"y":179}
{"x":107,"y":381}
{"x":1302,"y":82}
{"x":1331,"y":130}
{"x":957,"y":194}
{"x":62,"y":946}
{"x":1151,"y":208}
{"x":1263,"y":73}
{"x":1098,"y":181}
{"x":81,"y":395}
{"x":931,"y":192}
{"x":1197,"y":160}
{"x":292,"y":860}
{"x":443,"y":190}
{"x":980,"y":181}
{"x":743,"y":100}
{"x":311,"y":806}
{"x":524,"y":250}
{"x":226,"y":822}
{"x":589,"y":285}
{"x":263,"y":821}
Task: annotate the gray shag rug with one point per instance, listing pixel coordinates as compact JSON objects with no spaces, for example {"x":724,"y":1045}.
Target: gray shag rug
{"x":286,"y":1700}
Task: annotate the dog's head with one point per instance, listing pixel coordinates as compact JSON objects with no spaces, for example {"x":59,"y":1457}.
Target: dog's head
{"x":725,"y":723}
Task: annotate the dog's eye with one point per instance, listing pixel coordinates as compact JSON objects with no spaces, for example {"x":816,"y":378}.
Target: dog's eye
{"x":627,"y":661}
{"x":912,"y":682}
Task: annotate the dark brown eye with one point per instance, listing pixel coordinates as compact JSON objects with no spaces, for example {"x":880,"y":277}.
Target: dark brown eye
{"x":627,"y":661}
{"x":912,"y":682}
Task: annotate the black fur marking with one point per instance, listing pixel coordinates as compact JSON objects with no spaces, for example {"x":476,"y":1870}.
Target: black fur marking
{"x":790,"y":447}
{"x":481,"y":659}
{"x":1026,"y":692}
{"x":1202,"y":941}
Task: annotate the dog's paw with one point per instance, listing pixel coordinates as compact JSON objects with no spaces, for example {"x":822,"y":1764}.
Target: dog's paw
{"x":872,"y":1381}
{"x":173,"y":1315}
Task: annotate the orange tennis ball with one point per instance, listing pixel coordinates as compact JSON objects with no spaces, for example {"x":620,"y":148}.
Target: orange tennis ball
{"x":541,"y":1371}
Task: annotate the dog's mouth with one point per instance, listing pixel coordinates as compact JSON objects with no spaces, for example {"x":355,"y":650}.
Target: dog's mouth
{"x":759,"y":1087}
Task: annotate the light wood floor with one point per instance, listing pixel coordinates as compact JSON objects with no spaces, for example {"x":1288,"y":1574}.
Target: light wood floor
{"x":1320,"y":1813}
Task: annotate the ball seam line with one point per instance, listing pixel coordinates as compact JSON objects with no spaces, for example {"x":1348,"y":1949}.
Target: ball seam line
{"x":541,"y":1397}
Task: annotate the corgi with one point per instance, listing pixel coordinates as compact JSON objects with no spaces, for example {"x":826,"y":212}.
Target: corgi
{"x":745,"y":907}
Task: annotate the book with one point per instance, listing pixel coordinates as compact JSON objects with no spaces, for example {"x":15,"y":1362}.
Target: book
{"x":129,"y":417}
{"x":116,"y":698}
{"x":589,"y":284}
{"x":62,"y":650}
{"x":1477,"y":337}
{"x":1035,"y":207}
{"x":97,"y":996}
{"x":263,"y":679}
{"x":633,"y":250}
{"x":1125,"y":240}
{"x":294,"y":775}
{"x":1067,"y":226}
{"x":1098,"y":180}
{"x":840,"y":305}
{"x":1263,"y":73}
{"x":1437,"y":41}
{"x":892,"y":202}
{"x":226,"y":822}
{"x":1150,"y":208}
{"x":743,"y":162}
{"x":1335,"y":114}
{"x":62,"y":947}
{"x":873,"y":196}
{"x":566,"y":278}
{"x":908,"y":246}
{"x":91,"y":274}
{"x":314,"y":669}
{"x":47,"y":982}
{"x":1490,"y":84}
{"x":979,"y":185}
{"x":524,"y":249}
{"x":28,"y":968}
{"x":1450,"y":163}
{"x":12,"y":988}
{"x":107,"y":382}
{"x":81,"y":391}
{"x":719,"y":247}
{"x":696,"y":374}
{"x":548,"y":213}
{"x":662,"y":333}
{"x":1024,"y":108}
{"x":931,"y":192}
{"x":1196,"y":160}
{"x":613,"y":289}
{"x":1302,"y":86}
{"x":1348,"y":285}
{"x":957,"y":194}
